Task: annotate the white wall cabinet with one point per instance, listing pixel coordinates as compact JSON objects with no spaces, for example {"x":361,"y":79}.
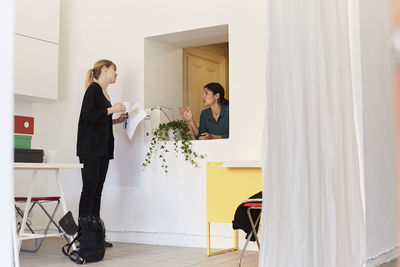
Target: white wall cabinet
{"x":38,"y":19}
{"x":36,"y":68}
{"x":36,"y":49}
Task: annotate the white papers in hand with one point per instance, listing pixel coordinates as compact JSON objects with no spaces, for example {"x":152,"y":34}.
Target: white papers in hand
{"x":136,"y":114}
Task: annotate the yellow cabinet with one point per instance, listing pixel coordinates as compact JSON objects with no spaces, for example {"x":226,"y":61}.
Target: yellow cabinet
{"x":226,"y":189}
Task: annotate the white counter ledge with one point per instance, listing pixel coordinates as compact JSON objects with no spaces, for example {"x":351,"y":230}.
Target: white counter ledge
{"x":242,"y":164}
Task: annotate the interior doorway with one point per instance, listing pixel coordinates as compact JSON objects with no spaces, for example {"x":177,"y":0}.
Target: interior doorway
{"x":202,"y":65}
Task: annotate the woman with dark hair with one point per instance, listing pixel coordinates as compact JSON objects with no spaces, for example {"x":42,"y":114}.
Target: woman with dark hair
{"x":214,"y":121}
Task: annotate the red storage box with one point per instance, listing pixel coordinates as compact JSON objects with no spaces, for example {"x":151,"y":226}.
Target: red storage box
{"x":23,"y":125}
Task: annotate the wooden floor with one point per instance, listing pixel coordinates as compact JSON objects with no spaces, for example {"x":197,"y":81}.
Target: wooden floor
{"x":127,"y":255}
{"x":131,"y":255}
{"x":389,"y":264}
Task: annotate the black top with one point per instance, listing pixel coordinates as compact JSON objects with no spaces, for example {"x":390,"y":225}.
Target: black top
{"x":95,"y":132}
{"x":209,"y":125}
{"x":241,"y":219}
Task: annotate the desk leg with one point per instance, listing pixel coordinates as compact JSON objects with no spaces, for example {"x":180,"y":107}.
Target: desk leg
{"x":62,"y":200}
{"x":236,"y":243}
{"x":27,"y":208}
{"x":15,"y":240}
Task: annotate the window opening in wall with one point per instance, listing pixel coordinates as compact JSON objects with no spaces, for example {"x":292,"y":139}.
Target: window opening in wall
{"x":177,"y":67}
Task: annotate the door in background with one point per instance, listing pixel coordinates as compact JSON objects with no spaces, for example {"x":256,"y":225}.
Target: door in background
{"x":202,"y":65}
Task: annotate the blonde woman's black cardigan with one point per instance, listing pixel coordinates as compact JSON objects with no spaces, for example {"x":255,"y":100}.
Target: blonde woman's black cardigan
{"x":95,"y":132}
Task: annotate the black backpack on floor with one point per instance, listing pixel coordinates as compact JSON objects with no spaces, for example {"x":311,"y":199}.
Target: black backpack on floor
{"x":91,"y":236}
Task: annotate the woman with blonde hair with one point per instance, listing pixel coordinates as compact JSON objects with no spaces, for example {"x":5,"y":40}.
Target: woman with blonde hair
{"x":95,"y":148}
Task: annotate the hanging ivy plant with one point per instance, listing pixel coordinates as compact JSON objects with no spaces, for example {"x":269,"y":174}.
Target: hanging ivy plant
{"x":179,"y":132}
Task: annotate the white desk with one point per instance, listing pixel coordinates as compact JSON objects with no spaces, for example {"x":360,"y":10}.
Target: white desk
{"x":36,"y":167}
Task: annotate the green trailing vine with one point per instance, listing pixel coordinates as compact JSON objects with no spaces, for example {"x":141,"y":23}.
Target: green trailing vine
{"x":184,"y":145}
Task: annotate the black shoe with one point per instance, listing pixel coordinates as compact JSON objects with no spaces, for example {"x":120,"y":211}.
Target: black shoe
{"x":108,"y":244}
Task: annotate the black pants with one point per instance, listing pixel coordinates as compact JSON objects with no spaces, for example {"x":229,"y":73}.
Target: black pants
{"x":93,"y":176}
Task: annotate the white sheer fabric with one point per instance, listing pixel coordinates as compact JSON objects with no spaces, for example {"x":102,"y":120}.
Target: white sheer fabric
{"x":312,"y":211}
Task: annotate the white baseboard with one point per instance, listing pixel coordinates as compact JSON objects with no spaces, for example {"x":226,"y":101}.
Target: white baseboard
{"x":171,"y":239}
{"x":382,"y":258}
{"x":177,"y":239}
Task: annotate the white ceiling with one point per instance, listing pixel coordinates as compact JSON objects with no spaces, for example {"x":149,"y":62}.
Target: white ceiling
{"x":197,"y":37}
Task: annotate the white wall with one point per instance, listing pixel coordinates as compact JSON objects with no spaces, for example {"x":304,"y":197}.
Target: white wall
{"x":6,"y":120}
{"x":163,"y":76}
{"x":147,"y":206}
{"x":379,"y":132}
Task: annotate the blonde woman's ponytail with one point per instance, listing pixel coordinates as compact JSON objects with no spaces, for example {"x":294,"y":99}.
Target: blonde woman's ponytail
{"x":95,"y":72}
{"x":89,"y":78}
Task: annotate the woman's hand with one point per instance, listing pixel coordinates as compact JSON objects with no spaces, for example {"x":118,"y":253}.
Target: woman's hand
{"x":186,"y":113}
{"x":116,"y":108}
{"x":121,"y":118}
{"x":207,"y":136}
{"x":188,"y":116}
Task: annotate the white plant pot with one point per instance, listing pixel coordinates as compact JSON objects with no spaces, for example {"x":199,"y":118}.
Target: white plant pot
{"x":171,"y":134}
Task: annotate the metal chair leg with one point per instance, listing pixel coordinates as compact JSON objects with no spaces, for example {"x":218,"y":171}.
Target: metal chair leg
{"x":21,"y":213}
{"x":253,"y":226}
{"x":52,"y":220}
{"x":244,"y":248}
{"x":253,"y":231}
{"x":39,"y":241}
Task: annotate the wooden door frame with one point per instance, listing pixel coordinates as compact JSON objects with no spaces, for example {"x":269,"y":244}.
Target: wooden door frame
{"x":192,"y":51}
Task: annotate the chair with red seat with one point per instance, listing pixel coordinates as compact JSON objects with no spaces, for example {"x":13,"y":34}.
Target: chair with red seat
{"x":39,"y":201}
{"x":250,"y":205}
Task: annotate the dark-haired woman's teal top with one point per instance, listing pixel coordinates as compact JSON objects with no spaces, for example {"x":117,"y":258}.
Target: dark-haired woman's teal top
{"x":209,"y":125}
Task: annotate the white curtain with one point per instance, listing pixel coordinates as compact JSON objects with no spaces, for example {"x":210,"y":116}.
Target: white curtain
{"x":312,"y":212}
